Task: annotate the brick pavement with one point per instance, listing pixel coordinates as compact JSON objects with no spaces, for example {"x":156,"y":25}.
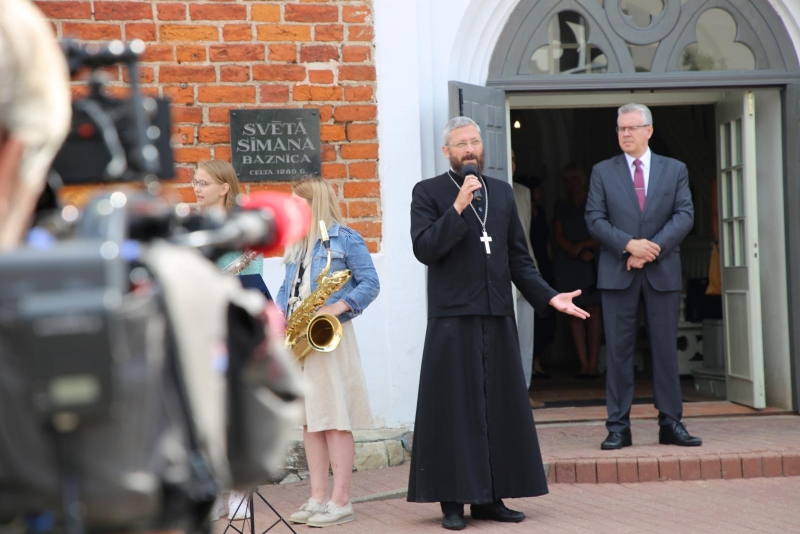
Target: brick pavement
{"x":757,"y":505}
{"x":736,"y":447}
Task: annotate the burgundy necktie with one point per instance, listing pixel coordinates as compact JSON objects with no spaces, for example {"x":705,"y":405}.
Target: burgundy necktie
{"x":638,"y":183}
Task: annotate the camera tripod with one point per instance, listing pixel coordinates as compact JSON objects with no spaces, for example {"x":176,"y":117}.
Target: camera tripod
{"x":252,"y":518}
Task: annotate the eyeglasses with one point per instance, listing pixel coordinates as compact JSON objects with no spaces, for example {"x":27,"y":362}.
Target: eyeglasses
{"x":464,"y":144}
{"x":626,"y":129}
{"x":202,"y":183}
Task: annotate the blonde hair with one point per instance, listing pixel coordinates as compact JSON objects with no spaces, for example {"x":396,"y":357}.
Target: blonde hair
{"x":222,"y":172}
{"x":324,"y":207}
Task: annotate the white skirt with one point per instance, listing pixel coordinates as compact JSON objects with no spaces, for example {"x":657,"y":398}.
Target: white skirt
{"x":337,"y":397}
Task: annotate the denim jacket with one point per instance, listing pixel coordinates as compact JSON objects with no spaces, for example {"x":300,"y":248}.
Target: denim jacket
{"x":348,"y":251}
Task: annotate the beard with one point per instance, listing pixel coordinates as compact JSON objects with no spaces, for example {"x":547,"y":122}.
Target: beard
{"x":458,"y":163}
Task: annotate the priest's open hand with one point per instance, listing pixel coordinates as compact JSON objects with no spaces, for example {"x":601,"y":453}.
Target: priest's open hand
{"x":563,"y":303}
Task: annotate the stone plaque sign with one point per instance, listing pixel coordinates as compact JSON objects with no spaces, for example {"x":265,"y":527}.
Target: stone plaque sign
{"x":275,"y":144}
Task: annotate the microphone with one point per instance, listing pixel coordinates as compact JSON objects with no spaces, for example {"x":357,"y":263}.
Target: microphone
{"x":291,"y":215}
{"x":471,"y":170}
{"x":266,"y":221}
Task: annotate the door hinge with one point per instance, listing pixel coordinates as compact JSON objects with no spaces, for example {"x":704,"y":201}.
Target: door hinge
{"x":750,"y":103}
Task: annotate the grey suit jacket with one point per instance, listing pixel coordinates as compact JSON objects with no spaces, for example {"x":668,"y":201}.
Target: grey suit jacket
{"x":613,"y":217}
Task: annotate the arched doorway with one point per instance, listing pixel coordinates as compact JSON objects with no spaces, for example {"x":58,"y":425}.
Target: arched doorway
{"x":563,"y":47}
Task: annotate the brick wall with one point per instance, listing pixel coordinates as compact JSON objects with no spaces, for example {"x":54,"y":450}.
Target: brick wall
{"x":210,"y":57}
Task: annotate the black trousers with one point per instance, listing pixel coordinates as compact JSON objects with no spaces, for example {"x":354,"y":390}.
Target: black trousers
{"x":620,"y":315}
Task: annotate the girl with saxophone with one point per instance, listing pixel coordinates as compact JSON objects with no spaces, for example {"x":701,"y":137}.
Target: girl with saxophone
{"x":337,"y":401}
{"x":216,"y":185}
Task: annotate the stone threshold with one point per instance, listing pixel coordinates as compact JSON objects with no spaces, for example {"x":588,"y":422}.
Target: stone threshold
{"x":649,"y":469}
{"x":691,"y":410}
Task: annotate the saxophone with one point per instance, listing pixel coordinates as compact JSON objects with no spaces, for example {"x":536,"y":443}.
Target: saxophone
{"x":305,"y":328}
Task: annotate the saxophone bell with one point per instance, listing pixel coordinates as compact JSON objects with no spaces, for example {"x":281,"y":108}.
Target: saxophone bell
{"x":323,"y":335}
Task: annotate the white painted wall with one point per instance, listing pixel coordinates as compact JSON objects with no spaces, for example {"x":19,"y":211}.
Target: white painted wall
{"x":420,"y":46}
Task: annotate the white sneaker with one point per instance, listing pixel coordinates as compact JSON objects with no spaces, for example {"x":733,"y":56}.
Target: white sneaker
{"x":332,"y":515}
{"x":309,"y":508}
{"x":219,"y":509}
{"x":238,"y":506}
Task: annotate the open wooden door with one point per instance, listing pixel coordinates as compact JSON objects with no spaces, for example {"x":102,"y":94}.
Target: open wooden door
{"x":487,"y":107}
{"x":741,"y":284}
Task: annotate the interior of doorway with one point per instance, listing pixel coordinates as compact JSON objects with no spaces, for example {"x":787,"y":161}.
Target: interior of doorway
{"x":548,"y":140}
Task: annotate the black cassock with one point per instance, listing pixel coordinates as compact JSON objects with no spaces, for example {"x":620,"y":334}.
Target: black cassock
{"x":474,"y":436}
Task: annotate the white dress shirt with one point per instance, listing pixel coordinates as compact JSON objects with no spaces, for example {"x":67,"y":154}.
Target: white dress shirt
{"x":645,"y":159}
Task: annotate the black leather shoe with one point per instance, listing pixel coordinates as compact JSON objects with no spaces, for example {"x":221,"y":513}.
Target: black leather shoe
{"x":496,"y":511}
{"x":454,"y":522}
{"x":617,"y":440}
{"x":676,"y":434}
{"x":453,"y":516}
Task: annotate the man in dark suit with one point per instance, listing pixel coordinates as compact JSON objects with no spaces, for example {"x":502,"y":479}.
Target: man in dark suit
{"x":640,"y":209}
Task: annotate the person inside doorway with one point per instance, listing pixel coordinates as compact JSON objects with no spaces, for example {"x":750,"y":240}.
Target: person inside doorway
{"x":544,"y":326}
{"x":576,"y":266}
{"x":522,"y":199}
{"x":713,"y":305}
{"x":640,"y":209}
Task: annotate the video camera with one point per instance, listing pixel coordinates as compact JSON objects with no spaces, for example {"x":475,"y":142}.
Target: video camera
{"x":135,"y":378}
{"x":114,"y":139}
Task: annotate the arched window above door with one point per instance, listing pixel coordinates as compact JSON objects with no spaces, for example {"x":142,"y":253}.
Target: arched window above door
{"x":716,"y":47}
{"x":568,"y":50}
{"x":553,"y":38}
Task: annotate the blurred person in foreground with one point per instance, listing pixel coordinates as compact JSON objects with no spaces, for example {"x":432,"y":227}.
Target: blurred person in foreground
{"x":169,"y":475}
{"x":34,"y":113}
{"x":215,"y":186}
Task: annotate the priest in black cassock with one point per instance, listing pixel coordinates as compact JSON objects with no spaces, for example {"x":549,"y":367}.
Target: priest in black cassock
{"x":474,"y":437}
